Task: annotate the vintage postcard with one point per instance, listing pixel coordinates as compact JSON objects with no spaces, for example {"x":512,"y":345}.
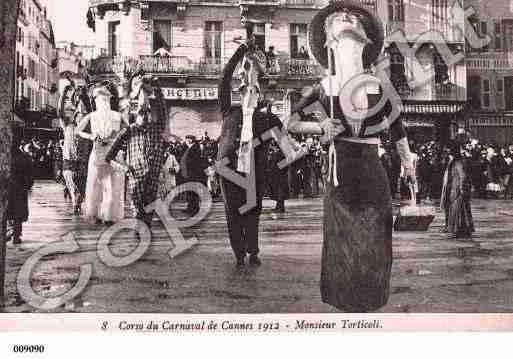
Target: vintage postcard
{"x":256,"y":166}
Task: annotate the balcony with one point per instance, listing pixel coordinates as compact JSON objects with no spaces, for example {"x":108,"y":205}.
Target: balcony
{"x":437,"y":92}
{"x":300,"y":3}
{"x":431,"y":31}
{"x":181,"y":66}
{"x":499,"y":61}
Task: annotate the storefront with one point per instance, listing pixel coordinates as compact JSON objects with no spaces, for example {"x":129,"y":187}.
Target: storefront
{"x":195,"y":110}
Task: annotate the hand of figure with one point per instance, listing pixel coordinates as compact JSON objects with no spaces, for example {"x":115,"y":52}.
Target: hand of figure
{"x":331,"y":129}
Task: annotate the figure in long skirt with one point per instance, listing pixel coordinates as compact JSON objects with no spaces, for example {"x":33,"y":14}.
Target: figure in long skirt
{"x":357,"y":247}
{"x":105,"y":186}
{"x":456,"y":194}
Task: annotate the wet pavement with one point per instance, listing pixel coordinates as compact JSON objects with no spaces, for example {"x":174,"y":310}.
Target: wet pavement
{"x":431,"y":273}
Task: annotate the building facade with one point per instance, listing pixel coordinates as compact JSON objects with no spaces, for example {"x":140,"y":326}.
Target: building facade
{"x":490,"y":72}
{"x":187,"y":42}
{"x":36,"y":63}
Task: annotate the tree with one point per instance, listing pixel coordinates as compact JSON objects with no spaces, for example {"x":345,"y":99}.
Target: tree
{"x":8,"y":28}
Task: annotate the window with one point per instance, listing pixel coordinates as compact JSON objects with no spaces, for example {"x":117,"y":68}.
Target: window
{"x":498,"y":36}
{"x":486,"y":93}
{"x":484,"y":33}
{"x":31,"y":68}
{"x":298,"y":41}
{"x":397,"y":69}
{"x":162,"y":35}
{"x":259,"y":32}
{"x":441,"y":68}
{"x":114,"y":38}
{"x":439,"y":11}
{"x":395,"y":10}
{"x":213,"y":40}
{"x":500,"y":93}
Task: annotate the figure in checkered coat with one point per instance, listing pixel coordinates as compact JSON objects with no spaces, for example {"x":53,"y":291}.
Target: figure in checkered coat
{"x":142,"y":143}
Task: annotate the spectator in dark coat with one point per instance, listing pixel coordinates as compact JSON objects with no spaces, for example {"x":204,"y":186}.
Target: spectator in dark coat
{"x":21,"y":183}
{"x":193,"y":165}
{"x":277,"y":177}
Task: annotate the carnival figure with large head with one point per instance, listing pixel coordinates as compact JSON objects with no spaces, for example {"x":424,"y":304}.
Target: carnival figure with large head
{"x":347,"y":40}
{"x":241,"y":125}
{"x":143,"y":141}
{"x":105,"y":186}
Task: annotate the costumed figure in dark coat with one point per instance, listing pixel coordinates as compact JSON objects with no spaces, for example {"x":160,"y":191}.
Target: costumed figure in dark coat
{"x":357,"y":246}
{"x":241,"y":125}
{"x":456,"y":194}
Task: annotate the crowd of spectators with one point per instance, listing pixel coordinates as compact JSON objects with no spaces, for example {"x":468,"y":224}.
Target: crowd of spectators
{"x":490,"y":167}
{"x":42,"y":154}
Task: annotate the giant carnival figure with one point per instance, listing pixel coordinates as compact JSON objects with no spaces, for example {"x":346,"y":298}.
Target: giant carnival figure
{"x":74,"y":104}
{"x":83,"y":106}
{"x":66,"y":112}
{"x":242,"y":124}
{"x":105,"y":187}
{"x":143,"y":142}
{"x":357,"y":244}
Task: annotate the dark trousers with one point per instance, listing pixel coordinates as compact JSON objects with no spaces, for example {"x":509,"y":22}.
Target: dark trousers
{"x":242,"y":228}
{"x":243,"y":232}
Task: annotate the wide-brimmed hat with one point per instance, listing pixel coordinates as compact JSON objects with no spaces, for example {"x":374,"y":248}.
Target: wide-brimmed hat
{"x":371,"y":24}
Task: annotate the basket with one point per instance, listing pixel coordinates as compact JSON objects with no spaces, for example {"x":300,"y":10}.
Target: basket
{"x":413,"y":218}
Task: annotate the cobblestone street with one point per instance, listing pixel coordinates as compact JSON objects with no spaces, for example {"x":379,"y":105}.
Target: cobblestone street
{"x":430,"y":273}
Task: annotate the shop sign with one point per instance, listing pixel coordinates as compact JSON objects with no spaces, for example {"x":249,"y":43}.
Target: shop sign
{"x":190,"y":94}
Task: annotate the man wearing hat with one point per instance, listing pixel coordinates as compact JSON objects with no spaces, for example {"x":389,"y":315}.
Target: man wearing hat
{"x":242,"y":124}
{"x":193,"y":170}
{"x":347,"y":39}
{"x":20,"y":183}
{"x":143,"y":143}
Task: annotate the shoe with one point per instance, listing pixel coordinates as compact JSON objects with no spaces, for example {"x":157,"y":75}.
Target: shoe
{"x":254,"y":260}
{"x":108,"y":223}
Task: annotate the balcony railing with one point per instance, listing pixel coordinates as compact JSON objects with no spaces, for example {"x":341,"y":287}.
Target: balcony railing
{"x":437,"y":92}
{"x":500,"y":61}
{"x":300,"y":2}
{"x":430,"y":31}
{"x":177,"y":65}
{"x":449,"y":92}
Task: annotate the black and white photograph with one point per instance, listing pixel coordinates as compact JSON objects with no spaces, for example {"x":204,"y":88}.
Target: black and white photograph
{"x":256,"y":165}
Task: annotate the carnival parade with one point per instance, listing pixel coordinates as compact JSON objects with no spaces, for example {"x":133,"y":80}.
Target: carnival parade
{"x":348,"y":174}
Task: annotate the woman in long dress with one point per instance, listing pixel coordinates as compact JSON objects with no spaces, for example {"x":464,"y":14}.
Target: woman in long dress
{"x":168,"y":176}
{"x":105,"y":186}
{"x":357,"y":244}
{"x":456,"y":194}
